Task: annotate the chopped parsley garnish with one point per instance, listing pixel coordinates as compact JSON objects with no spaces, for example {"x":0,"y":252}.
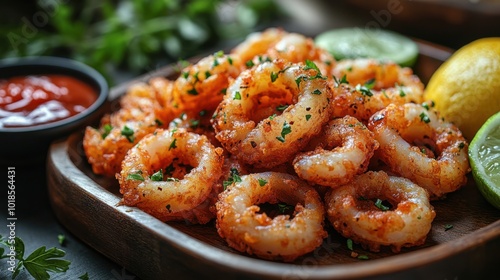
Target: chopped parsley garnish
{"x":107,"y":129}
{"x":311,"y":65}
{"x":447,"y":227}
{"x":363,"y":257}
{"x":271,"y":117}
{"x":173,"y":144}
{"x":282,"y":108}
{"x":172,"y":179}
{"x":237,"y":96}
{"x":195,"y":76}
{"x":185,"y":75}
{"x":135,"y":176}
{"x":234,"y":177}
{"x":207,"y":74}
{"x":364,"y":90}
{"x":370,"y":83}
{"x":194,"y":123}
{"x":192,"y":91}
{"x":317,"y":92}
{"x":283,"y":207}
{"x":287,"y":129}
{"x":216,"y":63}
{"x":274,"y":76}
{"x":308,"y":117}
{"x":424,"y":117}
{"x":342,"y":80}
{"x":381,"y":206}
{"x":401,"y":92}
{"x":61,"y":239}
{"x":84,"y":276}
{"x":158,"y":122}
{"x":219,"y":53}
{"x":249,"y":64}
{"x":425,"y":105}
{"x":349,"y":244}
{"x":157,"y":176}
{"x":128,"y":133}
{"x":262,"y":182}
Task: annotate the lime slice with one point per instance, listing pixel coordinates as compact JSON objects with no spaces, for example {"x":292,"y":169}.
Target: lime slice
{"x":354,"y":42}
{"x":484,"y":155}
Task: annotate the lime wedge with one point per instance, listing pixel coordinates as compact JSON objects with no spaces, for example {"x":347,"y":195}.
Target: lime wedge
{"x":355,"y":42}
{"x":484,"y":155}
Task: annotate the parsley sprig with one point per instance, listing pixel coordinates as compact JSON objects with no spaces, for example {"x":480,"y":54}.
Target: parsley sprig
{"x":39,"y":263}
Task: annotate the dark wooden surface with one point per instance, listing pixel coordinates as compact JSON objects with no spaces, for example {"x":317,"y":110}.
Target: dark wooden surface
{"x":86,"y":204}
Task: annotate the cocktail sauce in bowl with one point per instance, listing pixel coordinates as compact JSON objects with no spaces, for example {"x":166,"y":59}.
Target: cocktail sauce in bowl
{"x":43,"y":99}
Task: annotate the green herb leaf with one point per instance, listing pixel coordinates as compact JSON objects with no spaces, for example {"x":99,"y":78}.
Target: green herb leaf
{"x":287,"y":129}
{"x":192,"y":91}
{"x":42,"y":261}
{"x":349,"y":244}
{"x":194,"y":123}
{"x":84,"y":276}
{"x":401,"y":92}
{"x":237,"y":96}
{"x":172,"y":179}
{"x":381,"y":206}
{"x":262,"y":182}
{"x":424,"y":117}
{"x":128,"y":133}
{"x":370,"y":83}
{"x":308,"y":117}
{"x":61,"y":239}
{"x":274,"y":76}
{"x":364,"y":90}
{"x":234,"y":177}
{"x":135,"y":177}
{"x":158,"y":122}
{"x":157,"y":176}
{"x":107,"y":129}
{"x":447,"y":227}
{"x":173,"y":144}
{"x":311,"y":65}
{"x":342,"y":80}
{"x":282,"y":108}
{"x":283,"y":207}
{"x":363,"y":257}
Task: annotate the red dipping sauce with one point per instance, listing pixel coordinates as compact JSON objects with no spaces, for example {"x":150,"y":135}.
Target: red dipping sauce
{"x":35,"y":100}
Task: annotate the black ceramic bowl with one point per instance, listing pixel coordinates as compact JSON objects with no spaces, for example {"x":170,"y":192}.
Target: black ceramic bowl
{"x":29,"y":144}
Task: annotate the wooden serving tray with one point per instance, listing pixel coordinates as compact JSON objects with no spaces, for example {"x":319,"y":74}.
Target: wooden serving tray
{"x":86,"y":204}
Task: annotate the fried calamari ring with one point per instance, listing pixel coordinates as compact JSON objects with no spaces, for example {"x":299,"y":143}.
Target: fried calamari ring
{"x":407,"y":133}
{"x":270,"y":112}
{"x":141,"y":112}
{"x":364,"y":86}
{"x":356,"y":211}
{"x":281,"y":238}
{"x":143,"y":180}
{"x":345,"y":149}
{"x":201,"y":86}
